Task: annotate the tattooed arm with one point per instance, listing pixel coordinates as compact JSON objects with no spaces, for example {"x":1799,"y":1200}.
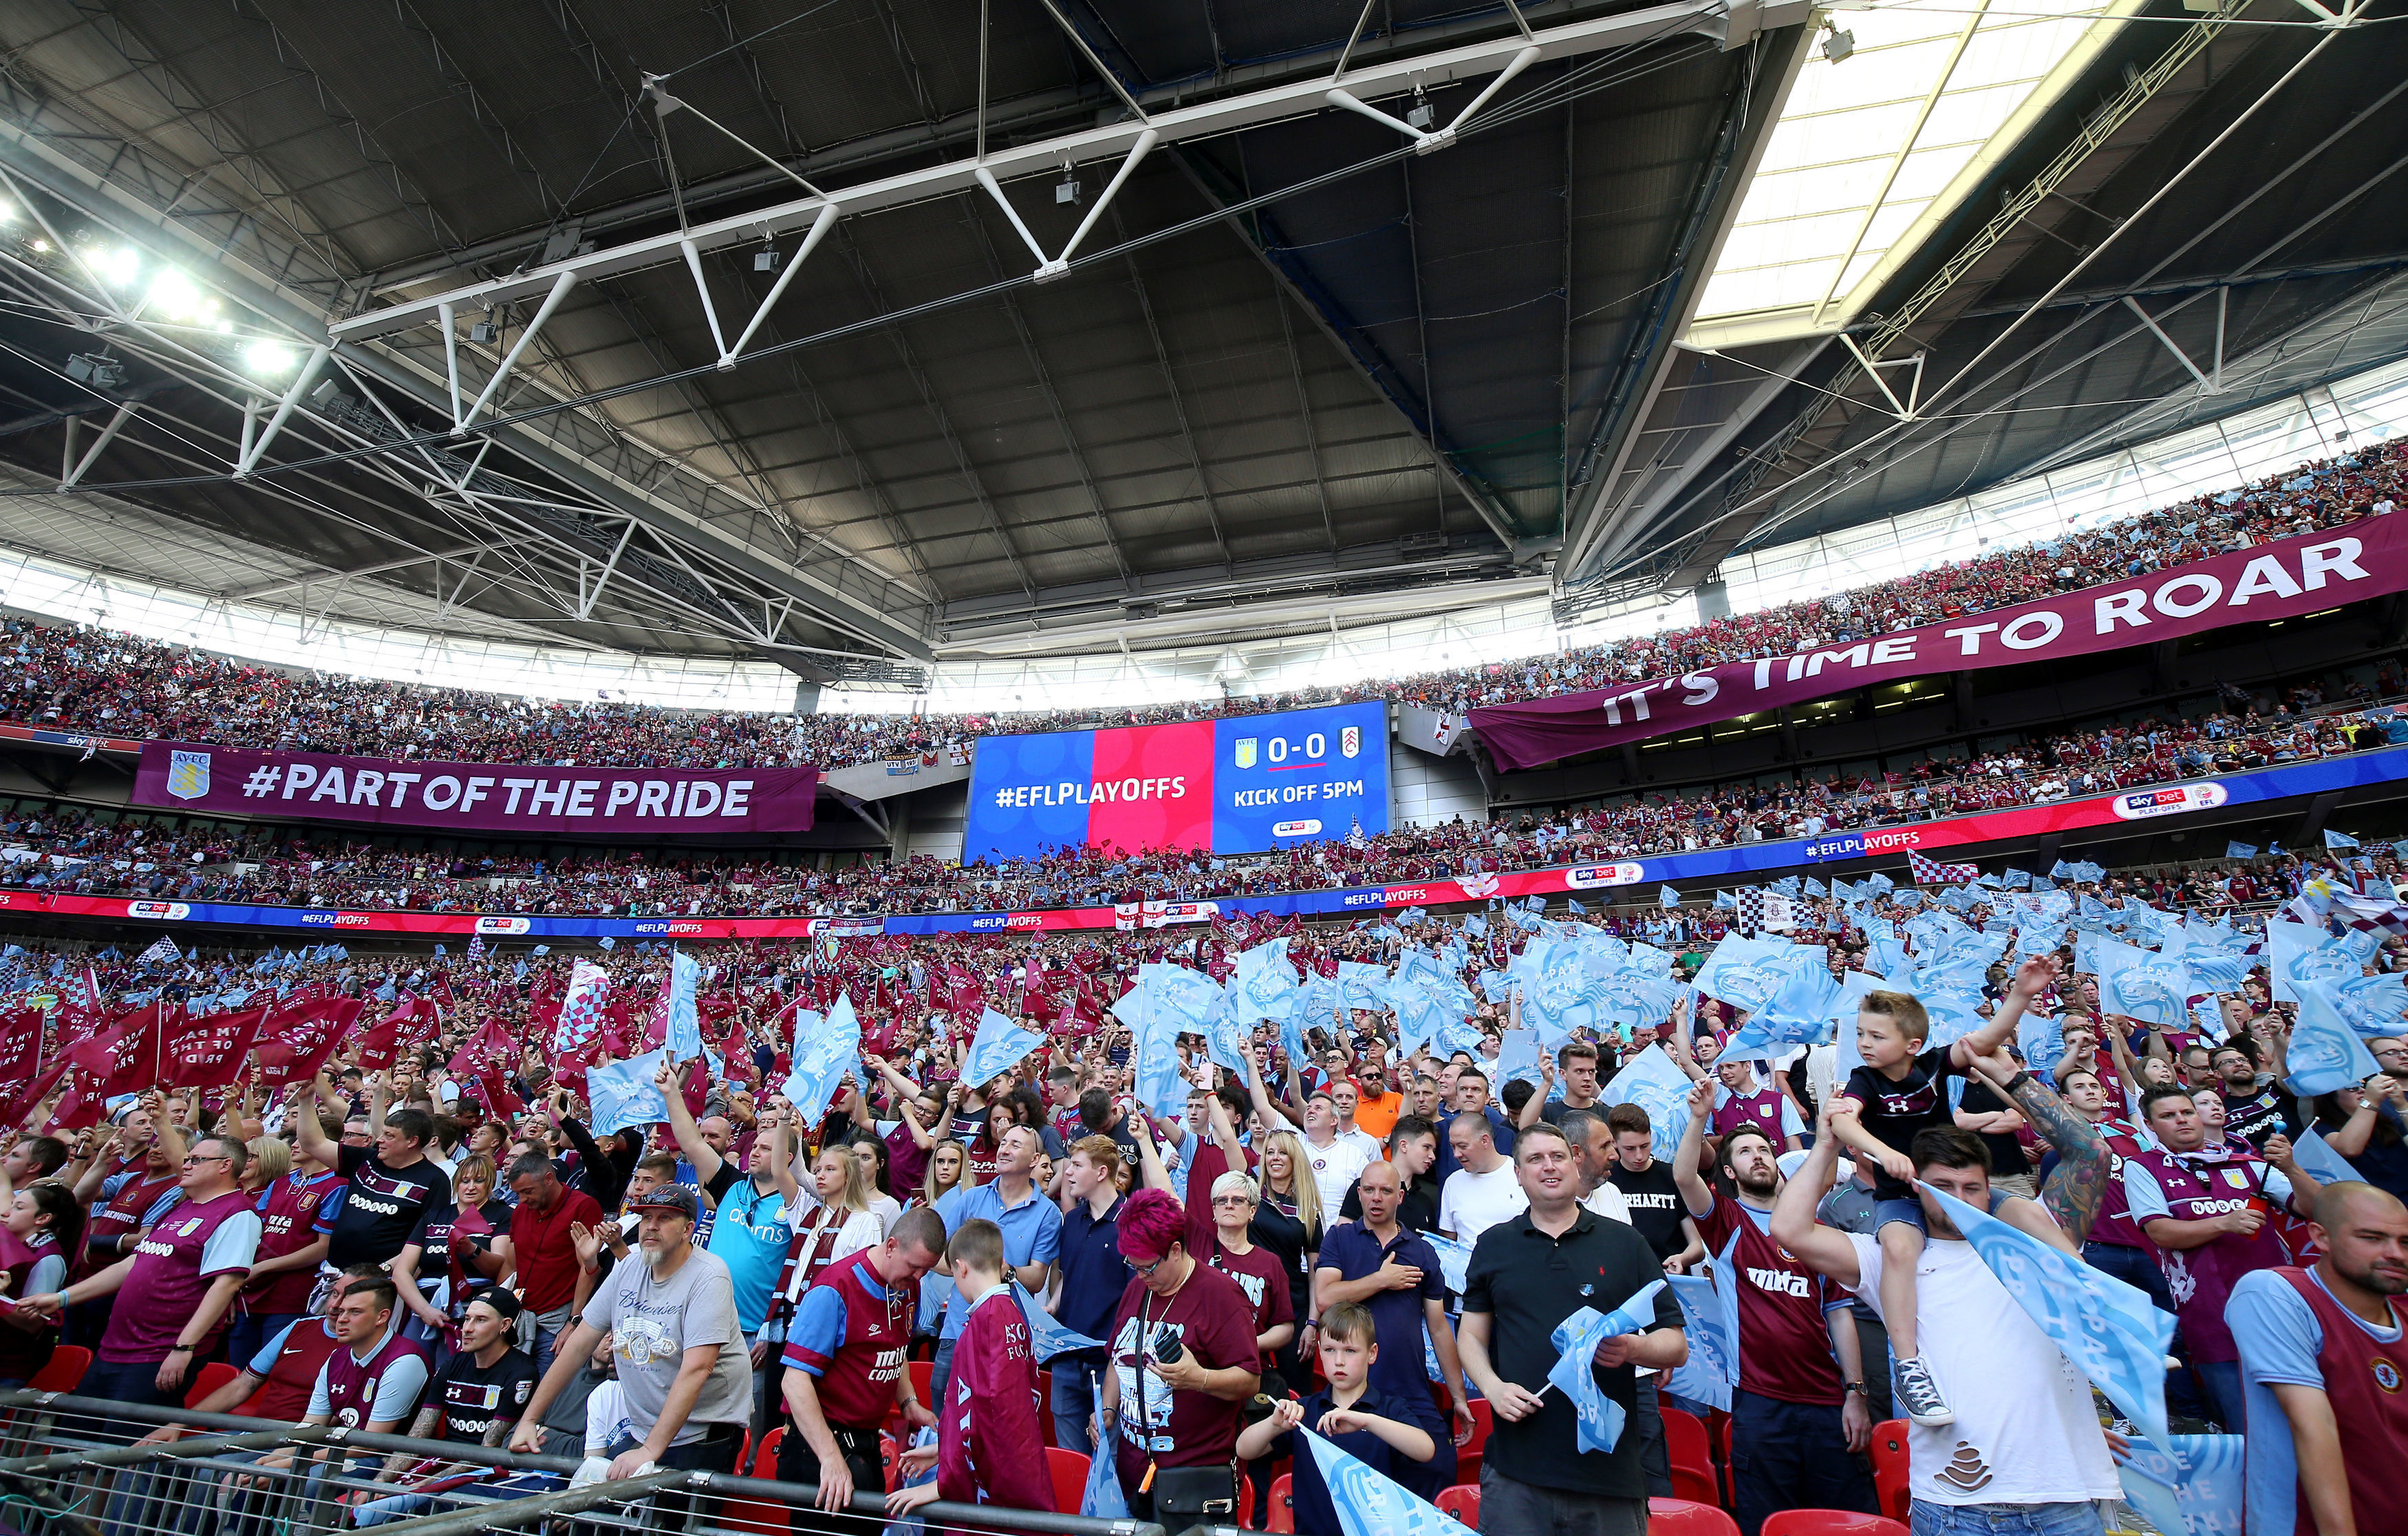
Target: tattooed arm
{"x":2074,"y":1190}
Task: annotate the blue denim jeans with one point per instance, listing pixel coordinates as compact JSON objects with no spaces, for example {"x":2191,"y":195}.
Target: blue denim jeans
{"x":1076,"y":1379}
{"x":1930,"y":1519}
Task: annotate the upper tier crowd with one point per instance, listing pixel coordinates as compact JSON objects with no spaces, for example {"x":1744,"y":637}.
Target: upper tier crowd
{"x":84,"y":679}
{"x":460,"y":1244}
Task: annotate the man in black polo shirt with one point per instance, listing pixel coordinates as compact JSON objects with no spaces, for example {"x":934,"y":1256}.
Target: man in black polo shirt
{"x":1527,"y":1275}
{"x":389,"y":1186}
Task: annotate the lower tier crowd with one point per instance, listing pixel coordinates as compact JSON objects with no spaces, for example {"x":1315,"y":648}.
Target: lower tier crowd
{"x":1341,"y":1235}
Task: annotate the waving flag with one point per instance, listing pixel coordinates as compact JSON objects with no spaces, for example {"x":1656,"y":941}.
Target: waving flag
{"x":581,"y":1009}
{"x":832,"y":1049}
{"x":2316,"y":1156}
{"x":1931,"y":871}
{"x":2325,"y":1053}
{"x":1048,"y":1338}
{"x":1667,"y":896}
{"x":2111,"y":1331}
{"x":2339,"y":840}
{"x":622,"y":1093}
{"x":1576,"y":1339}
{"x":1709,"y":1315}
{"x":1654,"y":1084}
{"x":1000,"y":1044}
{"x":684,"y":1027}
{"x":2196,"y":1486}
{"x":1370,"y":1504}
{"x":2240,"y":850}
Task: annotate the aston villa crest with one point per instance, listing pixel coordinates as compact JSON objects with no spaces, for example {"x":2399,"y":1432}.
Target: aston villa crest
{"x":188,"y":775}
{"x":1246,"y":752}
{"x":1350,"y":740}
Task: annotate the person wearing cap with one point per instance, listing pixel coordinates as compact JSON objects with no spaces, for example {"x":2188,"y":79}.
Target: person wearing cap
{"x":685,"y":1368}
{"x":474,"y":1399}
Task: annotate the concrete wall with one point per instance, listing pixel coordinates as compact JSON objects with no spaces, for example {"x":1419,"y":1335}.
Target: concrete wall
{"x":935,"y":827}
{"x":1425,"y":789}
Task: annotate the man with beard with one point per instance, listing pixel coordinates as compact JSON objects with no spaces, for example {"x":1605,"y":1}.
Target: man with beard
{"x":1799,"y":1422}
{"x":2319,"y":1356}
{"x":2255,"y":1107}
{"x":684,"y":1368}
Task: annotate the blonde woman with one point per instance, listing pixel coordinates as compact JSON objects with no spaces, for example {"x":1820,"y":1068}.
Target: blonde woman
{"x":465,"y":1243}
{"x":841,"y":1225}
{"x":948,"y":1173}
{"x":1287,"y":1221}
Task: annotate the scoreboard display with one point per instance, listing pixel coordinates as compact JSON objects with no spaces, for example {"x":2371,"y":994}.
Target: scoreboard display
{"x":1239,"y":785}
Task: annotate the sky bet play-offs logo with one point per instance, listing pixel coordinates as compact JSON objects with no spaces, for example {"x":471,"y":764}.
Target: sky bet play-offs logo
{"x":1224,"y":786}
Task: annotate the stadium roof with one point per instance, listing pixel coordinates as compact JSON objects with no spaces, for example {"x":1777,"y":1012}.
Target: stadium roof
{"x":1163,"y":318}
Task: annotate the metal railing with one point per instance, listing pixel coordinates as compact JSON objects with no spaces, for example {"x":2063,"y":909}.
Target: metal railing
{"x":75,"y":1466}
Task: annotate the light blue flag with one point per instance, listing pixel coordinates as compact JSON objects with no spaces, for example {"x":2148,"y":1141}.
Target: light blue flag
{"x":1000,"y":1044}
{"x":1799,"y":1012}
{"x":1453,"y":1260}
{"x":1047,"y":1337}
{"x":2316,"y":1156}
{"x":2112,"y":1331}
{"x":1517,"y":1056}
{"x":2240,"y":850}
{"x":2339,"y":840}
{"x":832,"y":1049}
{"x":1746,"y":972}
{"x":1576,"y":1339}
{"x":1667,"y":897}
{"x":622,"y":1093}
{"x":1710,"y":1313}
{"x":2195,"y":1487}
{"x":2325,"y":1053}
{"x":1370,"y":1504}
{"x":1104,"y":1499}
{"x":685,"y":1026}
{"x":1654,"y":1084}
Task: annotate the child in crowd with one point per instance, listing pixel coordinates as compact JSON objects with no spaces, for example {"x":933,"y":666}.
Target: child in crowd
{"x":1900,"y":1090}
{"x":1349,"y":1414}
{"x":989,"y":1449}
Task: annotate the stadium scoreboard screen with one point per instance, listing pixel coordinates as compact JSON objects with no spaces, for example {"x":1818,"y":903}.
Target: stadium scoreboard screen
{"x":1239,"y":785}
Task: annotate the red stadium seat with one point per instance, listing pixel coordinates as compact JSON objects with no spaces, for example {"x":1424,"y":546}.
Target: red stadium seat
{"x":207,"y":1380}
{"x":1691,"y":1452}
{"x":65,"y":1373}
{"x":1483,"y":1423}
{"x":1828,"y":1522}
{"x":1069,"y":1470}
{"x":1889,"y":1460}
{"x":1282,"y":1520}
{"x":1044,"y":1409}
{"x":1687,"y":1517}
{"x":1462,"y":1501}
{"x":923,"y":1375}
{"x":762,"y":1516}
{"x":1467,"y":1470}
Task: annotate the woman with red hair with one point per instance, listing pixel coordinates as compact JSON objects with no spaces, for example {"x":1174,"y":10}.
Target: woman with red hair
{"x":1185,"y":1364}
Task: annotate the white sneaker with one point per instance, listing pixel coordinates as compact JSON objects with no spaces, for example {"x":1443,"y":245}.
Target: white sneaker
{"x":1919,"y":1395}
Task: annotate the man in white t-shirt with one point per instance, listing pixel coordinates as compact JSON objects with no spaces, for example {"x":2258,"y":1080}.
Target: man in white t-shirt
{"x":2030,"y":1440}
{"x":1336,"y":1161}
{"x":1481,"y":1192}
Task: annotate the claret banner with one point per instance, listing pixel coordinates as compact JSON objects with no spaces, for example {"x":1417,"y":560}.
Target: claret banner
{"x":2308,"y":574}
{"x":474,"y":797}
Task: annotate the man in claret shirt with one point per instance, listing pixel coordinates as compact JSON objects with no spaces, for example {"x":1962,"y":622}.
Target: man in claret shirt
{"x":989,"y":1449}
{"x":2320,"y":1352}
{"x":1798,"y":1418}
{"x":174,"y":1288}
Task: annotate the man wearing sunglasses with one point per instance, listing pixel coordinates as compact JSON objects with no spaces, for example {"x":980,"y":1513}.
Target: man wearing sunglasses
{"x":174,"y":1288}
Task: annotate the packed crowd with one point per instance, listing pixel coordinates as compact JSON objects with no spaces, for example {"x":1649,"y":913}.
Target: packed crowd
{"x":84,"y":679}
{"x":468,"y":1221}
{"x":65,"y":851}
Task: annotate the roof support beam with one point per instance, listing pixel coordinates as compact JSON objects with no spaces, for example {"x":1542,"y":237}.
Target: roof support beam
{"x":1716,"y":19}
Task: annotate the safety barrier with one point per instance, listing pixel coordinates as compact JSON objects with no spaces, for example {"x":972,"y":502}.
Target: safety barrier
{"x":75,"y":1466}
